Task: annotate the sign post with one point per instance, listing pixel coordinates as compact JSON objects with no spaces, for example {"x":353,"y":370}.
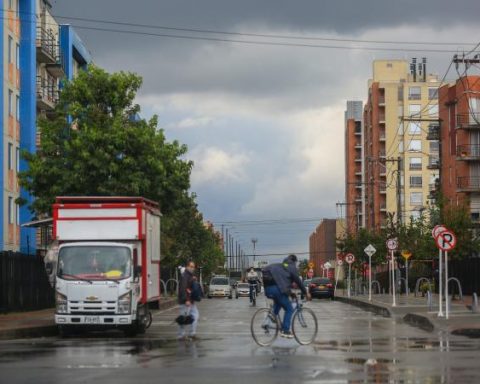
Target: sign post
{"x":392,"y":245}
{"x":370,"y":251}
{"x":446,"y":241}
{"x":349,"y":258}
{"x":406,"y":255}
{"x":435,"y":232}
{"x":339,"y":264}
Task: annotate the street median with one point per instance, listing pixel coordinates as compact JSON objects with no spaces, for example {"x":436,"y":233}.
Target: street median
{"x":370,"y":307}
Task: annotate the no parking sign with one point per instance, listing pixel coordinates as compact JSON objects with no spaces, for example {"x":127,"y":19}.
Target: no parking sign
{"x":446,"y":240}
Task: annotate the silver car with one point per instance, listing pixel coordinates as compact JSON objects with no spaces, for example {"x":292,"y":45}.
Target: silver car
{"x":220,"y":287}
{"x":243,"y":289}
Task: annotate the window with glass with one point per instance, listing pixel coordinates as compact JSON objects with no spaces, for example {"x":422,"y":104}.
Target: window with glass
{"x":17,"y":108}
{"x":10,"y":210}
{"x":416,"y":198}
{"x":415,"y":215}
{"x":415,"y":181}
{"x":415,"y":128}
{"x":17,"y":214}
{"x":415,"y":145}
{"x":415,"y":163}
{"x":10,"y":49}
{"x":414,"y":109}
{"x":414,"y":93}
{"x":432,"y":110}
{"x":17,"y":158}
{"x":432,"y":93}
{"x":17,"y":56}
{"x":10,"y":102}
{"x":10,"y":156}
{"x":434,"y":147}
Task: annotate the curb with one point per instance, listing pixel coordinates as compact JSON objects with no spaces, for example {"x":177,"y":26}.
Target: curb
{"x":419,"y":321}
{"x":377,"y":309}
{"x":51,"y":329}
{"x":473,"y":333}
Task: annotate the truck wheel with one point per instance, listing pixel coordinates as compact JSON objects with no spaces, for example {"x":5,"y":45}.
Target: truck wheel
{"x":230,"y":297}
{"x":131,"y":330}
{"x":209,"y":296}
{"x":64,"y":331}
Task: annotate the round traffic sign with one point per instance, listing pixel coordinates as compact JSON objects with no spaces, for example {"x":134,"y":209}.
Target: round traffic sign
{"x":437,"y":230}
{"x":350,"y":258}
{"x":392,"y":244}
{"x":339,"y":262}
{"x":446,"y":240}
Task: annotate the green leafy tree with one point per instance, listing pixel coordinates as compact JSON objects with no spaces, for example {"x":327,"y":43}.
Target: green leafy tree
{"x":96,"y":144}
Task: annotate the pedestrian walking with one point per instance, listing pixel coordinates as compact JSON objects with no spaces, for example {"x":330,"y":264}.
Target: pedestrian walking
{"x":189,"y":292}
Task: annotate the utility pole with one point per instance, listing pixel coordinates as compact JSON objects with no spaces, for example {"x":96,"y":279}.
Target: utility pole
{"x":399,"y":162}
{"x":254,"y":242}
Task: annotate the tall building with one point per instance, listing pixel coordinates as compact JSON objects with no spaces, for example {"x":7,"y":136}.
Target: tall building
{"x":460,"y":143}
{"x":323,"y":243}
{"x":354,"y":167}
{"x":401,"y":164}
{"x":32,"y":66}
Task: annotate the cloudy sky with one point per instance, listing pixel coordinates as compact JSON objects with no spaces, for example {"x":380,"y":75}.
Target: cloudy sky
{"x":264,"y":123}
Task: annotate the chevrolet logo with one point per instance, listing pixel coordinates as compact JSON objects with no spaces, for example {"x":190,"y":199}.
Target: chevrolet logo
{"x":91,"y":298}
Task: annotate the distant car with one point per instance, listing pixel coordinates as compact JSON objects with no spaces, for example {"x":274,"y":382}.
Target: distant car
{"x":321,"y":287}
{"x":243,"y":289}
{"x":220,"y":287}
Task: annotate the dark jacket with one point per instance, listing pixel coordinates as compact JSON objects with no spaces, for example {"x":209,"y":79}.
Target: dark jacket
{"x":285,"y":274}
{"x":185,"y":287}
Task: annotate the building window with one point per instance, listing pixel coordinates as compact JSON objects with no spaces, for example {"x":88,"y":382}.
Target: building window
{"x":414,"y":93}
{"x":432,"y":93}
{"x":414,"y":109}
{"x":17,"y":108}
{"x":400,"y":147}
{"x":17,"y":55}
{"x":10,"y":156}
{"x":415,"y":163}
{"x":10,"y":102}
{"x":416,"y":181}
{"x":415,"y":215}
{"x":17,"y":211}
{"x":11,"y":210}
{"x":416,"y":198}
{"x":10,"y":49}
{"x":415,"y":145}
{"x":415,"y":128}
{"x":434,"y":147}
{"x":10,"y":4}
{"x":17,"y":158}
{"x":432,"y":110}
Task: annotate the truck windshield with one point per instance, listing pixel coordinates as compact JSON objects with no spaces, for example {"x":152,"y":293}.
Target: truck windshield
{"x":94,"y":263}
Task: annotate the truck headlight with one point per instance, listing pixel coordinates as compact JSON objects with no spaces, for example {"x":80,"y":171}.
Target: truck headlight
{"x":125,"y":303}
{"x":61,"y":303}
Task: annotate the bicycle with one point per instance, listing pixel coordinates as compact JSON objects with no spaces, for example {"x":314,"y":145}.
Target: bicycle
{"x":253,"y":296}
{"x":265,"y":325}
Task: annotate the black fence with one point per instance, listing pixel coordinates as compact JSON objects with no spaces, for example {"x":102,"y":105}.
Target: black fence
{"x":24,"y":283}
{"x":468,"y":272}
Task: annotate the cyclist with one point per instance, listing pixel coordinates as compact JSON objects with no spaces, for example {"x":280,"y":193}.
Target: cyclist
{"x":277,"y":280}
{"x":252,"y":278}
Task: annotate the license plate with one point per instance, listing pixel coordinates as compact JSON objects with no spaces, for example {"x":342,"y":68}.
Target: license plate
{"x":322,"y":287}
{"x":92,"y":320}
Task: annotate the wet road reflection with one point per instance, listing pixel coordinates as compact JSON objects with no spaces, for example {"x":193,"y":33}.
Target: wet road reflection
{"x":352,"y":347}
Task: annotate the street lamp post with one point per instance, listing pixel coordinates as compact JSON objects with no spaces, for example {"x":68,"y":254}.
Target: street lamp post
{"x":254,"y":242}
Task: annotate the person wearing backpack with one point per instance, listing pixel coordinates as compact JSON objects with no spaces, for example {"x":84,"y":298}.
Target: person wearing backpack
{"x":189,"y":292}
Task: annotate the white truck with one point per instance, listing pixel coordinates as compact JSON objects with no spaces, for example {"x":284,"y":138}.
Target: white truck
{"x":107,"y":272}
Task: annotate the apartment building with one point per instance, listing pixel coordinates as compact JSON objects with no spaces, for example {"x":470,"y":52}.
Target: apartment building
{"x":354,"y":167}
{"x":460,"y":143}
{"x":32,"y":67}
{"x":401,"y":163}
{"x":323,"y":243}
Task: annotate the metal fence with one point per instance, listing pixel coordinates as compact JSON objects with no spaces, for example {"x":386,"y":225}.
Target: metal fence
{"x":468,"y":272}
{"x":24,"y":283}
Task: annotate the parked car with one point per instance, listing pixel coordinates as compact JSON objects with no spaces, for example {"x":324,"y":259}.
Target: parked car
{"x":220,"y":287}
{"x":321,"y":287}
{"x":243,"y":289}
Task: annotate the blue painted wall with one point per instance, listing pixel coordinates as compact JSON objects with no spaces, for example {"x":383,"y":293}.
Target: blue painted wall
{"x":28,"y":111}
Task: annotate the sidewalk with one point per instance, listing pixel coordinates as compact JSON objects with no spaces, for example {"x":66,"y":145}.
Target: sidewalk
{"x":41,"y":323}
{"x":414,"y":311}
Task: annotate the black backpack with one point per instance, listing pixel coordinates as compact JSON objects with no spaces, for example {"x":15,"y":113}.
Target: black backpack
{"x":197,"y":292}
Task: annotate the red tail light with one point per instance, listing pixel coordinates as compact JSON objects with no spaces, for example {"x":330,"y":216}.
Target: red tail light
{"x":313,"y":285}
{"x":329,"y":285}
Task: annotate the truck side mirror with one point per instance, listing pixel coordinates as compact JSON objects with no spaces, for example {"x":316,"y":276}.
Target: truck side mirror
{"x":49,"y":268}
{"x":137,"y":271}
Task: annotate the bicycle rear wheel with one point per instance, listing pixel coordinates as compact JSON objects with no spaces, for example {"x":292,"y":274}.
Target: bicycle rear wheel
{"x":264,"y":327}
{"x":304,"y":326}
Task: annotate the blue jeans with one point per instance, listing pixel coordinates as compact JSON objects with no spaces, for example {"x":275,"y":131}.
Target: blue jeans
{"x":280,"y":300}
{"x":252,"y":287}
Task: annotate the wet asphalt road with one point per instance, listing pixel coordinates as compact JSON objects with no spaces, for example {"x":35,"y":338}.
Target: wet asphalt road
{"x":352,"y":346}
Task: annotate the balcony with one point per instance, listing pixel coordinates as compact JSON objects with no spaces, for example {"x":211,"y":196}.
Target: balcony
{"x":57,"y":68}
{"x":383,"y":207}
{"x":358,"y":131}
{"x":415,"y":166}
{"x":381,"y":100}
{"x":382,"y":136}
{"x":415,"y":185}
{"x":381,"y":154}
{"x":433,"y":162}
{"x":358,"y":159}
{"x":468,"y":184}
{"x":47,"y":93}
{"x":468,"y":152}
{"x":414,"y":96}
{"x":358,"y":145}
{"x":381,"y":118}
{"x":468,"y":120}
{"x":433,"y":132}
{"x":47,"y":46}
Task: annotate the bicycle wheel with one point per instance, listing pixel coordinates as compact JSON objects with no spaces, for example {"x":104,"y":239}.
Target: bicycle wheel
{"x":264,"y":327}
{"x":304,"y":326}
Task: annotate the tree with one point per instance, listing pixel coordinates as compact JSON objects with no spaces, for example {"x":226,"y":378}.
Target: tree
{"x":96,"y":144}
